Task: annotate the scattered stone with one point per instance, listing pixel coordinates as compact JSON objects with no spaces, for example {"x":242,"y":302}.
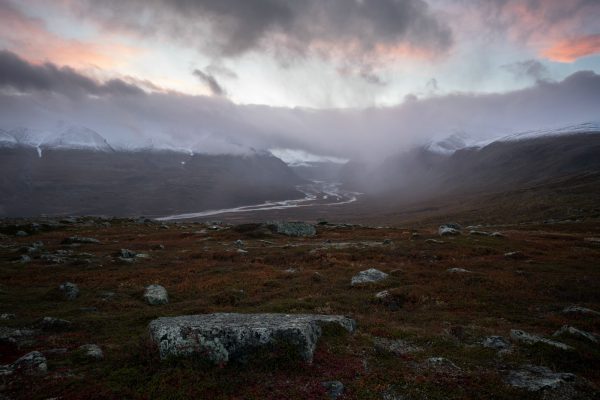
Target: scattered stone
{"x":6,"y":316}
{"x":592,"y":240}
{"x":495,"y":342}
{"x":534,"y":378}
{"x":479,"y":233}
{"x":527,"y":338}
{"x":242,"y":251}
{"x":382,"y":295}
{"x":88,"y":309}
{"x":222,"y":337}
{"x":126,"y":253}
{"x":80,"y":240}
{"x":156,"y":295}
{"x":53,"y":324}
{"x":14,"y":336}
{"x":21,"y":234}
{"x":435,"y":241}
{"x":25,"y":259}
{"x":106,"y":296}
{"x":70,"y":290}
{"x":458,"y":271}
{"x":368,"y":276}
{"x":92,"y":351}
{"x":239,"y":243}
{"x":291,"y":271}
{"x":387,"y":241}
{"x":158,"y":247}
{"x":334,"y":389}
{"x":442,"y":363}
{"x":52,"y":259}
{"x":569,"y":330}
{"x":515,"y":255}
{"x":300,"y":229}
{"x":497,"y":235}
{"x":33,"y":363}
{"x":580,"y":310}
{"x":397,"y":346}
{"x":447,"y":231}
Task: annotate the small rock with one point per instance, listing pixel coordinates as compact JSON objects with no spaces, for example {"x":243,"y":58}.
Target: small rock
{"x":6,"y":316}
{"x":290,"y":271}
{"x":52,"y":259}
{"x":447,"y":231}
{"x":479,"y":233}
{"x":126,"y":253}
{"x":80,"y":240}
{"x":580,"y":310}
{"x":515,"y":255}
{"x":435,"y":241}
{"x":14,"y":336}
{"x":50,"y":323}
{"x":382,"y":295}
{"x":569,"y":330}
{"x":25,"y":259}
{"x":21,"y":234}
{"x":368,"y":276}
{"x":156,"y":295}
{"x":106,"y":296}
{"x":397,"y":347}
{"x":239,"y":243}
{"x":92,"y":351}
{"x":442,"y":363}
{"x":33,"y":363}
{"x":299,"y":229}
{"x":527,"y":338}
{"x":158,"y":247}
{"x":334,"y":388}
{"x":88,"y":309}
{"x":533,"y":378}
{"x":497,"y":235}
{"x":70,"y":290}
{"x":495,"y":342}
{"x":458,"y":271}
{"x":387,"y":241}
{"x":242,"y":251}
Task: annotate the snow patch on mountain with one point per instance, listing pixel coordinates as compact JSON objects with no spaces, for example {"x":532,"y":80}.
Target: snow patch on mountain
{"x":301,"y":158}
{"x":7,"y":140}
{"x":77,"y":137}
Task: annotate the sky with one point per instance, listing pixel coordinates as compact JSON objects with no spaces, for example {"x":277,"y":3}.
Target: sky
{"x":344,"y":78}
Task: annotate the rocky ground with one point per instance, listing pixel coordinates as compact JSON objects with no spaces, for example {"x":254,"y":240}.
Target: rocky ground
{"x":448,"y":312}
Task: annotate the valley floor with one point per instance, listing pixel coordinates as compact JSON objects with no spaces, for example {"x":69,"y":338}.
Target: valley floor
{"x":423,"y":339}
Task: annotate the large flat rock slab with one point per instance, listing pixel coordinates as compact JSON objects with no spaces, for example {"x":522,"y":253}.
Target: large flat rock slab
{"x":222,"y":337}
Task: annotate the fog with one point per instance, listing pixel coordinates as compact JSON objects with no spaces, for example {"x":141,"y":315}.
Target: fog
{"x":45,"y":97}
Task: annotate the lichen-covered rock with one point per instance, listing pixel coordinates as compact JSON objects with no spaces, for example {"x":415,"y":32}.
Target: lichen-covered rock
{"x":222,"y":337}
{"x":495,"y":342}
{"x":534,"y":378}
{"x":69,"y":290}
{"x":528,"y":338}
{"x":368,"y":276}
{"x":80,"y":240}
{"x":293,"y":228}
{"x":156,"y":295}
{"x":92,"y":351}
{"x":33,"y":363}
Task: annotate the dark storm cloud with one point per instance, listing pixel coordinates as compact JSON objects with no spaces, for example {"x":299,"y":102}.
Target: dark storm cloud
{"x":233,"y":27}
{"x":528,"y":69}
{"x":210,"y":81}
{"x":19,"y":74}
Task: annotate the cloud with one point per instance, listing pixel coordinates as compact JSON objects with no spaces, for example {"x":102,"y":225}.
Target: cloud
{"x":528,"y":69}
{"x":210,"y":81}
{"x":570,"y":50}
{"x":23,"y":76}
{"x":362,"y":29}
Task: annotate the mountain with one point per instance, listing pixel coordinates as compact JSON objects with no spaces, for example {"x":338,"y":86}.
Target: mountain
{"x":158,"y":183}
{"x":7,"y":140}
{"x":77,"y":137}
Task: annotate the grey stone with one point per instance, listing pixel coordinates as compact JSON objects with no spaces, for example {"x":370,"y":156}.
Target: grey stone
{"x":14,"y":335}
{"x":6,"y":316}
{"x":126,"y":253}
{"x":398,"y":347}
{"x":25,"y":259}
{"x":527,"y":338}
{"x":33,"y":363}
{"x":382,"y":295}
{"x":92,"y":351}
{"x":515,"y":255}
{"x":80,"y":240}
{"x":70,"y":290}
{"x":458,"y":271}
{"x":222,"y":337}
{"x":156,"y":295}
{"x":534,"y":378}
{"x":442,"y":363}
{"x":294,"y":228}
{"x":368,"y":276}
{"x":50,"y":323}
{"x":449,"y":230}
{"x":435,"y":241}
{"x":580,"y":310}
{"x":21,"y":234}
{"x":334,"y":388}
{"x":239,"y":243}
{"x":479,"y":233}
{"x":569,"y":330}
{"x":52,"y":259}
{"x":495,"y":342}
{"x":497,"y":235}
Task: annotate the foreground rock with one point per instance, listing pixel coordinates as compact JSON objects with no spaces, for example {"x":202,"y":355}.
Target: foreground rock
{"x":69,"y":290}
{"x":156,"y":295}
{"x":294,"y":228}
{"x":368,"y":276}
{"x":449,"y":230}
{"x":570,"y":330}
{"x":533,"y":378}
{"x":495,"y":342}
{"x":222,"y":337}
{"x":528,"y":338}
{"x":33,"y":363}
{"x":92,"y":351}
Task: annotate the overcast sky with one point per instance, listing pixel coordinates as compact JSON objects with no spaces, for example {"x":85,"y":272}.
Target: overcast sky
{"x":338,"y":77}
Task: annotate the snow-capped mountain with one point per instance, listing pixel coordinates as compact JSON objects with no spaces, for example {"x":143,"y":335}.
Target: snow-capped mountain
{"x":7,"y":140}
{"x":77,"y":137}
{"x":450,"y":144}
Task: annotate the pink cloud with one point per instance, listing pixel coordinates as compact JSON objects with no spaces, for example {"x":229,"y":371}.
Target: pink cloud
{"x":570,"y":50}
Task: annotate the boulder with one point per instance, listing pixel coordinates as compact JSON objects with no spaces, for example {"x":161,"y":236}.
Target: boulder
{"x":495,"y":342}
{"x":449,"y":229}
{"x":368,"y":276}
{"x":534,"y":378}
{"x":527,"y":338}
{"x":300,"y":229}
{"x":222,"y":337}
{"x":33,"y":363}
{"x":92,"y":351}
{"x":334,"y":389}
{"x":80,"y":240}
{"x":69,"y":290}
{"x":156,"y":295}
{"x":126,"y":253}
{"x":569,"y":330}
